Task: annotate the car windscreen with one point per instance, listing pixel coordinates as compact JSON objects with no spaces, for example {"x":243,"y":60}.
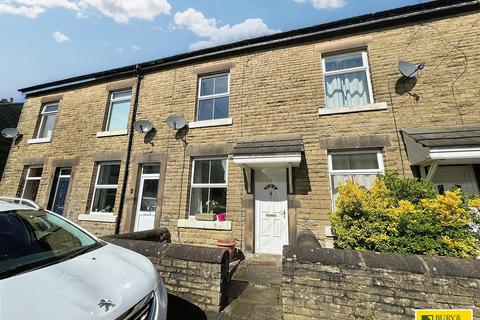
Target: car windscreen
{"x":31,"y":239}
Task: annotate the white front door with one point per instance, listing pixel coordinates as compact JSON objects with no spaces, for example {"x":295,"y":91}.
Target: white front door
{"x":462,"y":176}
{"x":271,"y":210}
{"x":147,"y":197}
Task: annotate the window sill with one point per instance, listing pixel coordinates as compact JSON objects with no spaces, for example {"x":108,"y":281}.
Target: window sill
{"x":193,"y":223}
{"x":211,"y":123}
{"x":98,"y":217}
{"x":340,"y":110}
{"x":39,"y":140}
{"x":102,"y":134}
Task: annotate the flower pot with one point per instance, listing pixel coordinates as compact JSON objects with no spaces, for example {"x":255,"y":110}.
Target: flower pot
{"x":205,"y":217}
{"x":221,"y":216}
{"x":229,"y":245}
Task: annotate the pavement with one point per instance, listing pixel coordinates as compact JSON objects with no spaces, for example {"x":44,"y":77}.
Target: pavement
{"x":254,"y":291}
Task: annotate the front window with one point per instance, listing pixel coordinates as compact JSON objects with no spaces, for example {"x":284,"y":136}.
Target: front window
{"x":361,"y":167}
{"x":47,"y":122}
{"x":213,"y":97}
{"x":118,"y":110}
{"x":209,"y":186}
{"x":32,"y":182}
{"x":106,"y":185}
{"x":34,"y":239}
{"x":347,"y":80}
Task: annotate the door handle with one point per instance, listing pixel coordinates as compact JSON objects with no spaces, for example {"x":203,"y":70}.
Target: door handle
{"x":283,"y":213}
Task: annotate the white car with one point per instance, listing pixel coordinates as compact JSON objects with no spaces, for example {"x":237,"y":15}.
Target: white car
{"x":52,"y":269}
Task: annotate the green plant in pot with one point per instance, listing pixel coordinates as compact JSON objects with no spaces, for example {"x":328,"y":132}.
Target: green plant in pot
{"x":209,"y":215}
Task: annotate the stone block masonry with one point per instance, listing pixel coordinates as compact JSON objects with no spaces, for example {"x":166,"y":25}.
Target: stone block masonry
{"x":199,"y":275}
{"x":343,"y":284}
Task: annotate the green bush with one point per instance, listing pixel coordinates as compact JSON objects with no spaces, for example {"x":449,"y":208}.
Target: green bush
{"x":405,"y":216}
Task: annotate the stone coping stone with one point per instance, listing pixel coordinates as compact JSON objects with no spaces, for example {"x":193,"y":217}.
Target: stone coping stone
{"x":437,"y":265}
{"x":157,"y":235}
{"x":173,"y":251}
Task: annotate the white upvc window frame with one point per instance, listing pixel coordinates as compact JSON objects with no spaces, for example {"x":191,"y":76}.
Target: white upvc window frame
{"x":45,"y":114}
{"x":212,"y":96}
{"x":332,"y":172}
{"x":28,"y":178}
{"x":104,"y":186}
{"x":365,"y":68}
{"x":206,"y":185}
{"x":110,"y":104}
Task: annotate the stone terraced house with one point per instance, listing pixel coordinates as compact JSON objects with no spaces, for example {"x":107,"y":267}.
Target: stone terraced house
{"x":275,"y":125}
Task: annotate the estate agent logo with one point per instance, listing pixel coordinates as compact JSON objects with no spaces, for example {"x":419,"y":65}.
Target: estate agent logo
{"x":443,"y":314}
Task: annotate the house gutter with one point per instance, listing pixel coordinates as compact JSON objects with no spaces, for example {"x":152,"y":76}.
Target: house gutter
{"x":367,"y":22}
{"x":139,"y":73}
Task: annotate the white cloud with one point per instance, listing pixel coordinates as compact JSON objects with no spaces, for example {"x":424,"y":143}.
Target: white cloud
{"x":134,"y":47}
{"x":203,"y":27}
{"x":119,"y":10}
{"x":325,"y":4}
{"x":60,"y":37}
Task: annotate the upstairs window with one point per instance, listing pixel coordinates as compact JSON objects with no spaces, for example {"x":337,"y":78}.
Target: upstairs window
{"x":32,"y":182}
{"x":118,"y":110}
{"x":209,"y":185}
{"x":106,"y":185}
{"x":47,"y":121}
{"x":361,"y":167}
{"x":347,"y":80}
{"x":213,"y":97}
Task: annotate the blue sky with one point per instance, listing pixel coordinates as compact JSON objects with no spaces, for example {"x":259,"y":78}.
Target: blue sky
{"x":46,"y":40}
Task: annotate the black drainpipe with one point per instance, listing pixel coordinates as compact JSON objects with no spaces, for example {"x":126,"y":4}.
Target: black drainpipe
{"x":129,"y":149}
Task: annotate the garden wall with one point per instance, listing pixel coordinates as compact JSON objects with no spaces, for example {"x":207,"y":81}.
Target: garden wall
{"x":343,"y":284}
{"x":199,"y":275}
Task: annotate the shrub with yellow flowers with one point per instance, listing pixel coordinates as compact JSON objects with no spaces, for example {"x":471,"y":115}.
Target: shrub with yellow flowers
{"x":406,"y":216}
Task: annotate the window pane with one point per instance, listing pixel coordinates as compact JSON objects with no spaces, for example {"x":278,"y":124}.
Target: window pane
{"x":205,"y":109}
{"x":221,"y":108}
{"x":149,"y":195}
{"x":363,"y":180}
{"x":355,"y":161}
{"x":219,"y":195}
{"x":201,"y":171}
{"x":104,"y":200}
{"x":66,"y":172}
{"x":344,"y":62}
{"x":151,"y":169}
{"x":47,"y":125}
{"x":206,"y":86}
{"x":217,"y":174}
{"x":31,"y":189}
{"x":121,"y":95}
{"x":108,"y":174}
{"x":118,"y":115}
{"x":221,"y":84}
{"x":348,"y":89}
{"x":198,"y":200}
{"x":35,"y":172}
{"x":51,"y":108}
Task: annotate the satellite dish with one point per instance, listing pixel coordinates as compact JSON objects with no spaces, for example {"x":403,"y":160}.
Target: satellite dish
{"x":10,"y":133}
{"x":408,"y":69}
{"x":143,"y":126}
{"x":176,"y":122}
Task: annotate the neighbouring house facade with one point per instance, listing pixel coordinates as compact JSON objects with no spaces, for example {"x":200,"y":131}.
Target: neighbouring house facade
{"x":9,"y":115}
{"x":275,"y":125}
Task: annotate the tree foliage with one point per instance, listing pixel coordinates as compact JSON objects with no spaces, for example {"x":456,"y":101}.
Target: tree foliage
{"x":406,"y":216}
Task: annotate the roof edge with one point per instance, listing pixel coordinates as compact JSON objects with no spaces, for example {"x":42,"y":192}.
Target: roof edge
{"x":429,"y":10}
